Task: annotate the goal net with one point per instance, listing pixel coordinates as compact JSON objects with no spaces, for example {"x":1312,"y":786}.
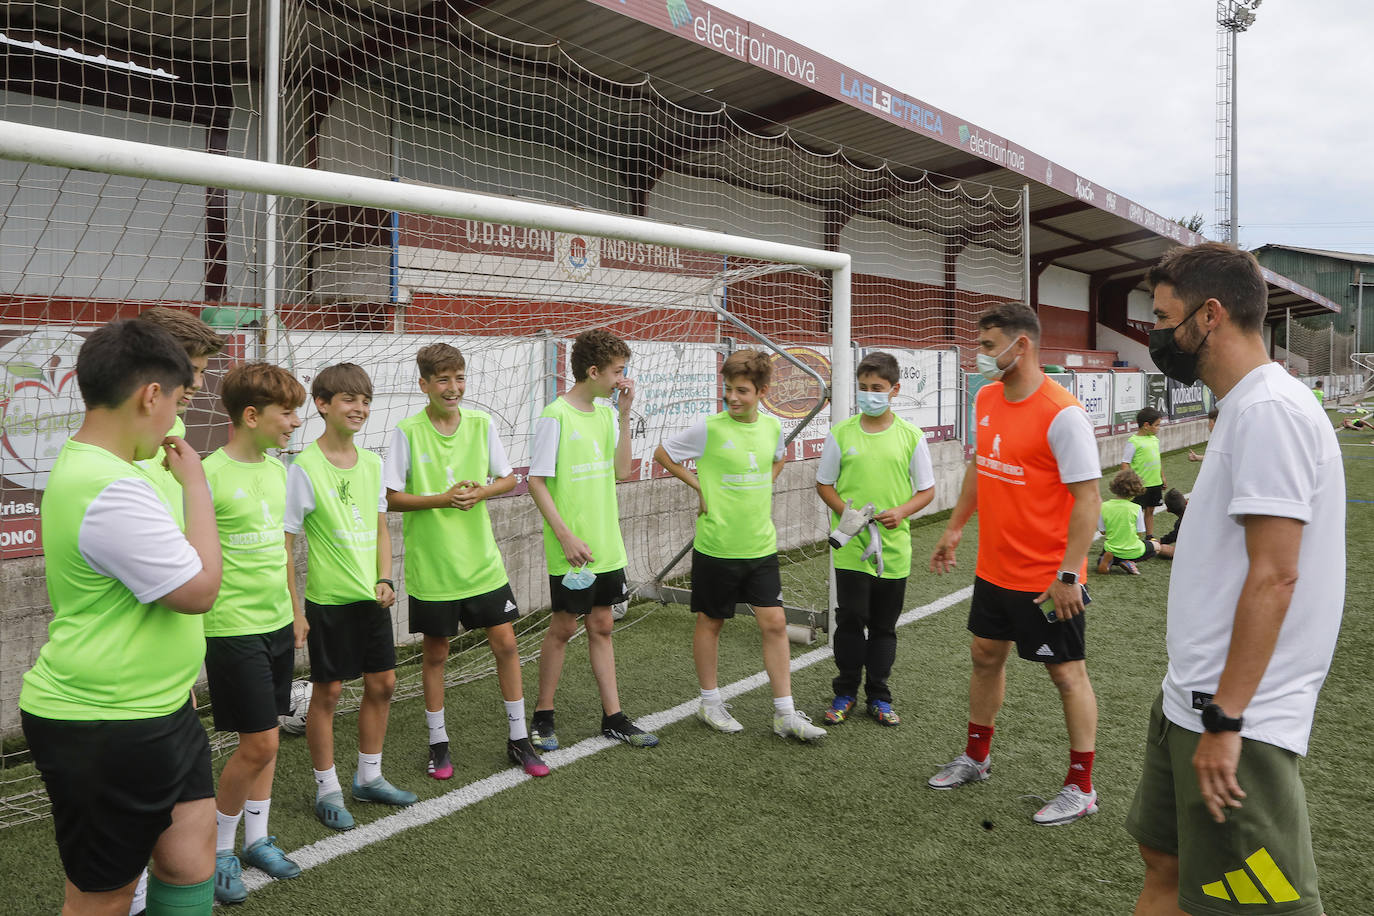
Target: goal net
{"x":433,"y":99}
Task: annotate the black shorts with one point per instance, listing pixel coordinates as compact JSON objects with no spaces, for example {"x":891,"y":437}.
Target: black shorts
{"x":607,"y":589}
{"x":1002,"y":614}
{"x":442,"y":618}
{"x":1152,"y":498}
{"x":113,"y":785}
{"x":347,"y":641}
{"x":250,"y":679}
{"x":1148,"y":554}
{"x":868,"y":598}
{"x":718,"y":585}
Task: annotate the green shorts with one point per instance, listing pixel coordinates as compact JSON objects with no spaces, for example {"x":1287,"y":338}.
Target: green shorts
{"x":1258,"y":862}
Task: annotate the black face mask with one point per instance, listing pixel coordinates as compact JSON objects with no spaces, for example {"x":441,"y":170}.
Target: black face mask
{"x":1171,"y":359}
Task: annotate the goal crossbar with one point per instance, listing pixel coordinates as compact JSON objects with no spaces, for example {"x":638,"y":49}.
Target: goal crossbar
{"x":86,"y":152}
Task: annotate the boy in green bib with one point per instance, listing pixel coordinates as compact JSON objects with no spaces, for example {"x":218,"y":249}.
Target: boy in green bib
{"x":334,"y":496}
{"x":250,"y":639}
{"x":738,"y":453}
{"x":1122,"y":522}
{"x":874,"y":458}
{"x":1142,"y":456}
{"x":581,"y":449}
{"x":107,"y":708}
{"x":200,"y":343}
{"x":442,"y":465}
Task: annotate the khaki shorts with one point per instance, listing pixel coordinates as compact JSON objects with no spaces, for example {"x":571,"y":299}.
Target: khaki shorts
{"x":1258,"y":862}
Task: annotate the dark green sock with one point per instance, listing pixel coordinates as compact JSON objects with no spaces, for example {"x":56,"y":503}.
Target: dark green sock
{"x":180,"y":899}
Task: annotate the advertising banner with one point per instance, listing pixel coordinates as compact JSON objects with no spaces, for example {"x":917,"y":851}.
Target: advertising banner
{"x":1128,"y":399}
{"x":1063,"y":378}
{"x":1186,"y":401}
{"x":1157,"y":392}
{"x":1095,"y":394}
{"x":929,"y":391}
{"x":793,"y":394}
{"x":972,"y":383}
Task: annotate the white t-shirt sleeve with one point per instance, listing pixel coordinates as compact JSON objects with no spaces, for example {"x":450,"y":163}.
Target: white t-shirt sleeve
{"x":828,"y":471}
{"x":1074,"y":445}
{"x":922,"y":469}
{"x":1140,"y":521}
{"x":498,"y":465}
{"x":688,"y":444}
{"x":544,"y":450}
{"x":381,"y":495}
{"x":782,"y":445}
{"x":1273,"y":463}
{"x":1127,"y":455}
{"x":300,"y":499}
{"x":161,"y":560}
{"x":397,"y":466}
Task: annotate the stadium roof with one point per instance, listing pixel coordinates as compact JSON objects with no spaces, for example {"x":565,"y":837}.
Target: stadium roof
{"x":1352,"y":256}
{"x":703,"y":58}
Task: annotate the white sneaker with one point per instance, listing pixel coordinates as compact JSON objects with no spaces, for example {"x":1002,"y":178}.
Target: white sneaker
{"x":960,"y":771}
{"x":717,"y":715}
{"x":1068,"y":806}
{"x":797,"y":725}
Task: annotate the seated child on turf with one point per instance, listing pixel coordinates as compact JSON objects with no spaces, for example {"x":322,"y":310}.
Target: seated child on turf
{"x":739,"y":453}
{"x":334,"y":496}
{"x":1176,"y":503}
{"x":1122,"y":523}
{"x":442,"y":465}
{"x":250,"y":640}
{"x":581,"y":449}
{"x":106,"y":708}
{"x":1142,"y":456}
{"x":873,"y":458}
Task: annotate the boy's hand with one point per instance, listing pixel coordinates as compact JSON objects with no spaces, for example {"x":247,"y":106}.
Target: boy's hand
{"x":385,"y":596}
{"x":466,"y":494}
{"x":889,"y":518}
{"x":1193,"y":456}
{"x":943,"y":560}
{"x":182,"y":461}
{"x":576,"y":550}
{"x":626,"y":387}
{"x":301,"y":627}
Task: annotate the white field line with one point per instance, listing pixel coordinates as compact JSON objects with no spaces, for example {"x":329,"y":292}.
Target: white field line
{"x":417,"y":815}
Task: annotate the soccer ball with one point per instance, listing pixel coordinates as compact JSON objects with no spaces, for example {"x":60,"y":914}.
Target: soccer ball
{"x":293,"y":723}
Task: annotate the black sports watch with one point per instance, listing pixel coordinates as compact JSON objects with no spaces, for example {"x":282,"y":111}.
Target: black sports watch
{"x":1216,"y":721}
{"x":1068,"y":577}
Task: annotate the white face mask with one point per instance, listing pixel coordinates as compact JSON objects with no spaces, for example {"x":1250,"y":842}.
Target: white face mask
{"x":873,"y":403}
{"x":988,"y":368}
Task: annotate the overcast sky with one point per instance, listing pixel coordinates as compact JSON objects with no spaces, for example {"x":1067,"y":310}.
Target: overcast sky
{"x":1124,"y":93}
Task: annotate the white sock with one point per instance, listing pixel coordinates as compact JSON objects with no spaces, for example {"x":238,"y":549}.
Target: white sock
{"x":226,"y":828}
{"x":255,"y":820}
{"x":369,"y":767}
{"x":140,"y":901}
{"x":326,"y":781}
{"x":515,"y":718}
{"x":710,"y":697}
{"x":437,"y":732}
{"x":782,"y":706}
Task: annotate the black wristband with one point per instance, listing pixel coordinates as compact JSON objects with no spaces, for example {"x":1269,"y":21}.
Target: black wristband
{"x":388,"y":583}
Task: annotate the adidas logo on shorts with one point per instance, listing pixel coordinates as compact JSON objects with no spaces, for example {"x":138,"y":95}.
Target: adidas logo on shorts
{"x":510,"y":606}
{"x":1044,"y":650}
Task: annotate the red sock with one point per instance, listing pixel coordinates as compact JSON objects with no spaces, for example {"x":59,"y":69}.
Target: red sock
{"x":979,"y":741}
{"x":1080,"y":770}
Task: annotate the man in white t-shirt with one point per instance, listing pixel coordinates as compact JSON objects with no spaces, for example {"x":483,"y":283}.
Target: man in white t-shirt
{"x":1265,"y":534}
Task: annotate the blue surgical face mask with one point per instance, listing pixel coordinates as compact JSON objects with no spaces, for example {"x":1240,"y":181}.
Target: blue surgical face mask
{"x":873,"y":403}
{"x":578,"y":579}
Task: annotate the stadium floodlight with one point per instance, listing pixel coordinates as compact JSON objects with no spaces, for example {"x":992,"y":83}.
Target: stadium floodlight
{"x":1233,"y":17}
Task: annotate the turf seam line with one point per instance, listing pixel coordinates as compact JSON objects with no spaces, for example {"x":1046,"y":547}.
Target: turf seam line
{"x":430,"y":810}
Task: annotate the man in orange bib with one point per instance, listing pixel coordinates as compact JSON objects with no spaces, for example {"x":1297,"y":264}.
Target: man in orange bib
{"x":1034,"y":484}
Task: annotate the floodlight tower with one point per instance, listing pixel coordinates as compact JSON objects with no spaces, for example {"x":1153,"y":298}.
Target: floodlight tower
{"x":1233,"y":17}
